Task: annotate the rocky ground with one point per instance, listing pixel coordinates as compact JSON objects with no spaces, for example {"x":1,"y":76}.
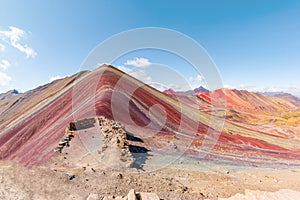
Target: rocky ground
{"x":114,"y":169}
{"x":181,"y":180}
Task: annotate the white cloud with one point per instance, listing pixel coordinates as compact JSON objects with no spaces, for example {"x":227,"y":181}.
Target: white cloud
{"x":13,"y":37}
{"x":174,"y":86}
{"x":124,"y":69}
{"x":55,"y":78}
{"x":161,"y":87}
{"x":2,"y":47}
{"x":198,"y":78}
{"x":4,"y":79}
{"x":4,"y":64}
{"x":158,"y":86}
{"x":139,"y":74}
{"x":227,"y":86}
{"x":292,"y":90}
{"x":138,"y":62}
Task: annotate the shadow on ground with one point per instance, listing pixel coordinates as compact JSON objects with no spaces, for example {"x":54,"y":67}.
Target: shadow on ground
{"x":139,"y":153}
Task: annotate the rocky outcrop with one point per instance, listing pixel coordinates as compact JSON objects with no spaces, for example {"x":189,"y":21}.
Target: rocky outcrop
{"x":114,"y":151}
{"x":115,"y":148}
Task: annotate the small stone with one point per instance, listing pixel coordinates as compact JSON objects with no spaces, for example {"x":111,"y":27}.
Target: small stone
{"x":71,"y":176}
{"x":120,"y":176}
{"x":184,"y":189}
{"x":119,"y":198}
{"x":148,"y":196}
{"x":94,"y":197}
{"x":131,"y":195}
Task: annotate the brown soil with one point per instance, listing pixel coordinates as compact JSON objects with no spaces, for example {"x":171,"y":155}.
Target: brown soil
{"x":184,"y":179}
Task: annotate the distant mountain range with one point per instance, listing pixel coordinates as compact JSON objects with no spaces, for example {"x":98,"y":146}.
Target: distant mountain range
{"x":189,"y":92}
{"x":273,"y":93}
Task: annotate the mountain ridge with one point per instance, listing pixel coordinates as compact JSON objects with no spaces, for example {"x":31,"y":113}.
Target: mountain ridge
{"x":34,"y":122}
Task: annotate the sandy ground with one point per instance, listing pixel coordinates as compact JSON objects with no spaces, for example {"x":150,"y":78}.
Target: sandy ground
{"x":185,"y":178}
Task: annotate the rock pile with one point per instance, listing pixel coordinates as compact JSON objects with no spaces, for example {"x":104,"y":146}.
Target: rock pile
{"x":132,"y":195}
{"x":114,"y":151}
{"x":115,"y":148}
{"x":70,"y":132}
{"x":65,"y":142}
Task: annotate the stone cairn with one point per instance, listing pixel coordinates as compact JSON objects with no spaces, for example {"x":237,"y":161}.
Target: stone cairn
{"x":70,"y":132}
{"x":114,"y":151}
{"x":65,"y":142}
{"x":115,"y":148}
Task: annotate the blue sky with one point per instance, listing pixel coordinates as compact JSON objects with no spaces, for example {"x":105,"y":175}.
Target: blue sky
{"x":255,"y":44}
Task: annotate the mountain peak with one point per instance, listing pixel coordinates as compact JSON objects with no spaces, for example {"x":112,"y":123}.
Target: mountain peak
{"x":13,"y":91}
{"x":170,"y":91}
{"x":200,"y":89}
